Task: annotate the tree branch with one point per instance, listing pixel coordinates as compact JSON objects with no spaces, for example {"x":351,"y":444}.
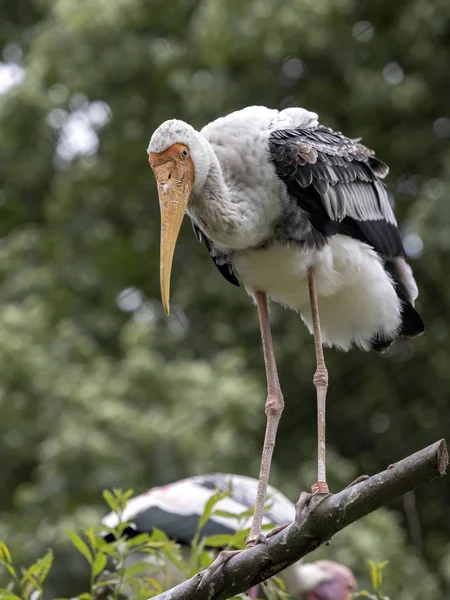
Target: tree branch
{"x":317,"y":523}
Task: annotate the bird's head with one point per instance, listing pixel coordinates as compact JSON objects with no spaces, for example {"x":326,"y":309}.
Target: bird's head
{"x":179,"y":160}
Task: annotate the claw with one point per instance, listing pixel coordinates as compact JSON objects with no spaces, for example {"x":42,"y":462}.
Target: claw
{"x":357,"y":480}
{"x":222,"y":558}
{"x":276,"y":530}
{"x":305,"y":497}
{"x":251,"y":542}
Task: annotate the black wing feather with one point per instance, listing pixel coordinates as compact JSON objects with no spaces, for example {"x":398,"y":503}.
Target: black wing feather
{"x":220,"y":260}
{"x":336,"y":180}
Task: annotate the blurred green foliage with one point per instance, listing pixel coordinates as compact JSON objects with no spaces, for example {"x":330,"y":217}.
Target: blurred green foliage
{"x":122,"y":567}
{"x":98,"y":389}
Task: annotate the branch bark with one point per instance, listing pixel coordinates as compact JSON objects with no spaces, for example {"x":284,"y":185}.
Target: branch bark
{"x":323,"y":516}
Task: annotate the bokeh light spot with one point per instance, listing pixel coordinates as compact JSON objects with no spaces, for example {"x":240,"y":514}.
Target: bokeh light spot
{"x":393,"y":73}
{"x":363,"y":31}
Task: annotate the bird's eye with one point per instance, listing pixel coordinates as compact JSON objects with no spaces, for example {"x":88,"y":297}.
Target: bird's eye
{"x":184,"y":153}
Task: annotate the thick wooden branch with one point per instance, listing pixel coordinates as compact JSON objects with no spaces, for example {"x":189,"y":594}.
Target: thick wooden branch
{"x":317,"y":523}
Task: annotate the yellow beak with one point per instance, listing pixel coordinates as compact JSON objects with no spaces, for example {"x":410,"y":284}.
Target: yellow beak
{"x":173,"y":201}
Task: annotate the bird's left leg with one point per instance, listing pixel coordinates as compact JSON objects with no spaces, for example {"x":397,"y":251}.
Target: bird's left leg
{"x":321,"y":383}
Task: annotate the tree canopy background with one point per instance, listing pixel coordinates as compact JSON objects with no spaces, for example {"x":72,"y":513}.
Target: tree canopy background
{"x":98,"y":389}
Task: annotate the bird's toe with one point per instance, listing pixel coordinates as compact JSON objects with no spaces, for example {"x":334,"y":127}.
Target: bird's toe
{"x":305,"y":497}
{"x":276,"y":530}
{"x":222,"y":558}
{"x":357,"y":480}
{"x":254,"y":541}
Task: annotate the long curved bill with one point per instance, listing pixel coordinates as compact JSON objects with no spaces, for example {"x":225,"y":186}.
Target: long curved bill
{"x":172,"y":202}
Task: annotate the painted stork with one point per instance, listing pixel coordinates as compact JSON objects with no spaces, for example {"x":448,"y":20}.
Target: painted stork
{"x":297,"y":213}
{"x":176,"y":509}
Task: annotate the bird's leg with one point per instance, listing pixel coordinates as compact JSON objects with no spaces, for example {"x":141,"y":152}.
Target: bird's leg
{"x":274,"y":408}
{"x":321,"y":383}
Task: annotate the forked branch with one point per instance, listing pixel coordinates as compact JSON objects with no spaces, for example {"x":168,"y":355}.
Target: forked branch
{"x":323,"y":516}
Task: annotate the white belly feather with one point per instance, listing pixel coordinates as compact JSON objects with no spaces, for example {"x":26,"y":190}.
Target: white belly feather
{"x":356,"y":296}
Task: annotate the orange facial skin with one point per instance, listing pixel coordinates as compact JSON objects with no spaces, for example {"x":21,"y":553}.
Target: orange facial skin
{"x":174,"y":172}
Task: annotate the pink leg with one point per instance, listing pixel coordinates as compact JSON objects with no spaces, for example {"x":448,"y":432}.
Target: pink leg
{"x":274,"y":408}
{"x":321,"y":383}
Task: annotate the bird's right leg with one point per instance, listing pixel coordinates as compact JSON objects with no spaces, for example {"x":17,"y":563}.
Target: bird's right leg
{"x":274,"y":408}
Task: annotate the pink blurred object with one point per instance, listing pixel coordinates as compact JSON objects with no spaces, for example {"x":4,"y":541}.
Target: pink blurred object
{"x":341,"y":584}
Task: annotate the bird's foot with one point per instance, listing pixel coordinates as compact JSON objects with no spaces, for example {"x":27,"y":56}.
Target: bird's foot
{"x":222,"y":558}
{"x":357,"y":480}
{"x":250,"y":542}
{"x":276,"y":530}
{"x":320,"y":487}
{"x":305,"y":497}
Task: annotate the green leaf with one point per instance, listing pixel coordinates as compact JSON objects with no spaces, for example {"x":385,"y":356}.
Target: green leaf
{"x":374,"y":575}
{"x":5,"y":555}
{"x":127,"y":495}
{"x":99,"y":564}
{"x":173,"y":555}
{"x":158,"y":536}
{"x":227,"y":515}
{"x":195,"y":559}
{"x":111,"y":501}
{"x":80,"y":546}
{"x":215,"y":498}
{"x":92,"y":539}
{"x":381,"y":566}
{"x":138,"y":584}
{"x":140,"y":540}
{"x":205,"y":559}
{"x":137,"y":568}
{"x":155,"y":584}
{"x":39,"y":570}
{"x":109,"y":550}
{"x":197,"y":547}
{"x":155,"y":548}
{"x":238,"y":540}
{"x":280,"y":582}
{"x":119,"y":499}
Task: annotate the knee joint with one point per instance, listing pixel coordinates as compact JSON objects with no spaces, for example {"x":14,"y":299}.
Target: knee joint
{"x":321,"y":377}
{"x":274,"y":405}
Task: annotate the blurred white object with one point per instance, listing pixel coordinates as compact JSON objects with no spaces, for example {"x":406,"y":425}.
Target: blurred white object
{"x":176,"y":509}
